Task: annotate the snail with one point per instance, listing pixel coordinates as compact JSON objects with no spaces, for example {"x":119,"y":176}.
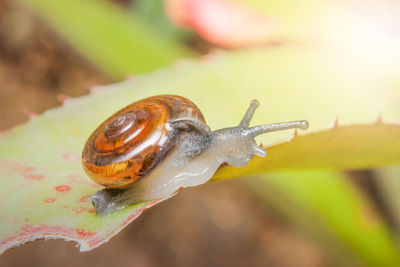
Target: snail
{"x":158,"y":145}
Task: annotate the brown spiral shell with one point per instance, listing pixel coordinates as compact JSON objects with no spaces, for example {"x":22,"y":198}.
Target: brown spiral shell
{"x":132,"y":142}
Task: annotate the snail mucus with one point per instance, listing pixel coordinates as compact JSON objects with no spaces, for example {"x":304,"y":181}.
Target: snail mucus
{"x":158,"y":145}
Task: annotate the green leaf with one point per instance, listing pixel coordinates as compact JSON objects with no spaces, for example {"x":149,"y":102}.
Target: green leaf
{"x":43,"y":189}
{"x":361,"y":30}
{"x":335,"y":212}
{"x":117,"y":42}
{"x":152,"y":11}
{"x":340,"y":148}
{"x":258,"y":22}
{"x":388,"y":182}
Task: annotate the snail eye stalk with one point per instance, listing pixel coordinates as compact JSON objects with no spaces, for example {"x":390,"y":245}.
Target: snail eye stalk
{"x":245,"y":122}
{"x":257,"y":130}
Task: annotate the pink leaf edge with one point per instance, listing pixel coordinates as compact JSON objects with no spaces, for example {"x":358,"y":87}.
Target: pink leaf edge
{"x":86,"y":240}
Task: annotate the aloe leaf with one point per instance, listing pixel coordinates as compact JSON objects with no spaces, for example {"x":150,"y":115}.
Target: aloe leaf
{"x":43,"y":189}
{"x":335,"y":212}
{"x":361,"y":29}
{"x":257,"y":22}
{"x":388,"y":183}
{"x":153,"y":13}
{"x":117,"y":42}
{"x":339,"y":148}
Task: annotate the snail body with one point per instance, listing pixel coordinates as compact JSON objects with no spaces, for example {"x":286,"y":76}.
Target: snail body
{"x":156,"y":146}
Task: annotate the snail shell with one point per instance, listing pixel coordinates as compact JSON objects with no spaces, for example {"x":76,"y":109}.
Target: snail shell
{"x":133,"y":141}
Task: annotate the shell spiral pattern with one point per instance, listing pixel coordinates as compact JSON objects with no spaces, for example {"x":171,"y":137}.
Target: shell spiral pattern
{"x":132,"y":142}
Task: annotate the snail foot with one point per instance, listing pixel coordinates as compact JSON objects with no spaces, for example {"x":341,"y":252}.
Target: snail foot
{"x":106,"y":201}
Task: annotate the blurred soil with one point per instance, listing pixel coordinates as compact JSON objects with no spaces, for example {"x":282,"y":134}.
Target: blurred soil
{"x":36,"y":66}
{"x":218,"y":224}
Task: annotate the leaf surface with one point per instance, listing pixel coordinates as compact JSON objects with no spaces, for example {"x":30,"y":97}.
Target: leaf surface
{"x":339,"y":148}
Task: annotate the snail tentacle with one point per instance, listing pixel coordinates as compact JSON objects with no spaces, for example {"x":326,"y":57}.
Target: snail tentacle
{"x":257,"y":130}
{"x":245,"y":122}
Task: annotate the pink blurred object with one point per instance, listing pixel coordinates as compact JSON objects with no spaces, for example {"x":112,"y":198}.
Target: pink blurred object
{"x":222,"y":22}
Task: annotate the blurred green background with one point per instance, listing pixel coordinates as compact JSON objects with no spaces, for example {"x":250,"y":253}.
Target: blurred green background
{"x":49,"y":47}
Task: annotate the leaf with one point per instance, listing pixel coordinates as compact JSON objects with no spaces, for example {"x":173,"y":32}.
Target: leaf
{"x":340,"y":148}
{"x":208,"y":18}
{"x":366,"y":29}
{"x":256,"y":22}
{"x":387,"y":180}
{"x":336,"y":213}
{"x":117,"y":42}
{"x":153,"y":13}
{"x":43,"y":189}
